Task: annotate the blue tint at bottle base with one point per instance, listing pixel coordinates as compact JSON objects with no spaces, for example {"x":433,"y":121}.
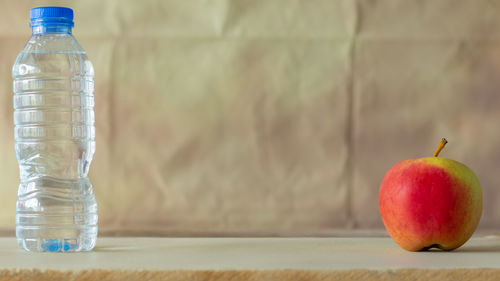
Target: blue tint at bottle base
{"x":56,"y":245}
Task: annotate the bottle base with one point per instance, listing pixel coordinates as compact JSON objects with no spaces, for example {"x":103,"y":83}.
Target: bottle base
{"x":80,"y":244}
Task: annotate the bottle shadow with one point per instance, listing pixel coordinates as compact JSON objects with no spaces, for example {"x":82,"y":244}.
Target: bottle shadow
{"x":115,"y":249}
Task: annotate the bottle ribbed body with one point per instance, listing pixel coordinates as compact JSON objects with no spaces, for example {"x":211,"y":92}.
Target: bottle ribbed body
{"x":53,"y":84}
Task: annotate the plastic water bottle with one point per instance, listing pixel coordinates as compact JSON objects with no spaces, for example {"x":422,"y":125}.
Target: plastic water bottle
{"x":54,"y":133}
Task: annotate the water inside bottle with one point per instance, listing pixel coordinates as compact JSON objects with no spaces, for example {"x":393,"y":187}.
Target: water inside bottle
{"x":54,"y":133}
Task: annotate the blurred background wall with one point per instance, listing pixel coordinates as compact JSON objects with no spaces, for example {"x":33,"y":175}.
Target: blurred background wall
{"x":271,"y":117}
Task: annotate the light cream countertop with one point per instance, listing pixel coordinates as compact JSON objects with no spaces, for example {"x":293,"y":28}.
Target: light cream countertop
{"x":252,"y":253}
{"x":272,"y":255}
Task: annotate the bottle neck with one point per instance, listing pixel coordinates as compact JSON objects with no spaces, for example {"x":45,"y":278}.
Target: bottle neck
{"x":52,"y":28}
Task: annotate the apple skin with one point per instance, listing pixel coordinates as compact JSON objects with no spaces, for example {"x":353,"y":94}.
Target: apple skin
{"x":430,"y":202}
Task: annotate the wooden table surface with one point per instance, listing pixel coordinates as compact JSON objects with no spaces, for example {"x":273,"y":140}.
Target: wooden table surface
{"x":242,"y":256}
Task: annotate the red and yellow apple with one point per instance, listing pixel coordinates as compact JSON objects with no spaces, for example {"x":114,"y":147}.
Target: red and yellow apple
{"x":430,"y":202}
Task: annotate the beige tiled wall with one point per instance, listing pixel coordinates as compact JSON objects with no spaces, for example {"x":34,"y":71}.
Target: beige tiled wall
{"x":258,"y":117}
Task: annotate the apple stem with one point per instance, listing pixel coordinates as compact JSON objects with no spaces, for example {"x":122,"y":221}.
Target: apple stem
{"x":440,"y":147}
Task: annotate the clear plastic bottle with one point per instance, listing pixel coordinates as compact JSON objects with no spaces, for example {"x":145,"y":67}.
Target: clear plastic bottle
{"x":53,"y":84}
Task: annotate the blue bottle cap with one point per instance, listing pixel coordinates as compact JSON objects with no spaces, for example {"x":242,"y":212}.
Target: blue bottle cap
{"x":51,"y":15}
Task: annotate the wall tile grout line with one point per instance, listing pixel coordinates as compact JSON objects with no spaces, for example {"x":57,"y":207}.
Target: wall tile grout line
{"x":112,"y":110}
{"x":349,"y":133}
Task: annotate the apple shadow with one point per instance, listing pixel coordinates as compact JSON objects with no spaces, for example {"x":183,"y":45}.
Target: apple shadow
{"x":479,"y":249}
